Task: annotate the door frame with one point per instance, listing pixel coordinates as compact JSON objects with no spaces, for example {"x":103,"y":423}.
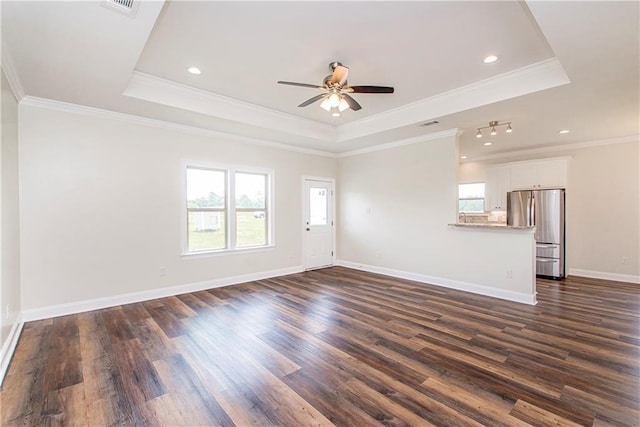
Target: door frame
{"x":303,"y":225}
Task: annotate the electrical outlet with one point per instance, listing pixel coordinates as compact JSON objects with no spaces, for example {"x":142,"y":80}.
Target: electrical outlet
{"x":509,"y":274}
{"x":625,"y":260}
{"x":163,"y":271}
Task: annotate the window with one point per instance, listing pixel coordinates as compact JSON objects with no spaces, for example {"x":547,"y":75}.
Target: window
{"x":206,"y":209}
{"x":226,"y":209}
{"x":251,"y":209}
{"x":471,"y":197}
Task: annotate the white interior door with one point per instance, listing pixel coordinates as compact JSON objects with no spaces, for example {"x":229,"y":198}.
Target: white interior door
{"x":318,"y":223}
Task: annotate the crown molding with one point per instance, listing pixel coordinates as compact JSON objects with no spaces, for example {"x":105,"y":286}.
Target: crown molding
{"x":161,"y":124}
{"x":532,"y":78}
{"x":555,"y":148}
{"x":67,"y":107}
{"x":401,"y":143}
{"x":161,"y":91}
{"x":10,"y":72}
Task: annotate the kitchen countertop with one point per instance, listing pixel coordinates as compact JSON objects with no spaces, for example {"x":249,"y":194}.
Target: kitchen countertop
{"x":498,"y":226}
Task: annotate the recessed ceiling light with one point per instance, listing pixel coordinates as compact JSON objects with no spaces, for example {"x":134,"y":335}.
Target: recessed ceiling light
{"x":336,"y":114}
{"x":564,"y":131}
{"x":194,"y":70}
{"x":489,"y":59}
{"x":463,"y":157}
{"x":488,"y":143}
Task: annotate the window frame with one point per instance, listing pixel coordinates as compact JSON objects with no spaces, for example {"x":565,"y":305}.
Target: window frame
{"x":484,"y":198}
{"x":230,"y":209}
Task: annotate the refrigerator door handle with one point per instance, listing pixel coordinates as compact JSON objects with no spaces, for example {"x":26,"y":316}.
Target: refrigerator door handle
{"x":532,"y":211}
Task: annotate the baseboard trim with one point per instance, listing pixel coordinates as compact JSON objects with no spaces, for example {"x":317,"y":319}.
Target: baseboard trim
{"x":445,"y":283}
{"x":629,"y":278}
{"x":98,"y":303}
{"x":9,"y":346}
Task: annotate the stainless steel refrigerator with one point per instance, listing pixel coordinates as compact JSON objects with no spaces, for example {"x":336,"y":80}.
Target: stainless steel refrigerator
{"x":545,"y":210}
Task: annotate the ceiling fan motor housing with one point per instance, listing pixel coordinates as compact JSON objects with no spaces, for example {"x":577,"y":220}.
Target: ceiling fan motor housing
{"x":327,"y":82}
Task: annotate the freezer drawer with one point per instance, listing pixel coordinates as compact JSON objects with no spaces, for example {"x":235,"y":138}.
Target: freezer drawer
{"x":550,"y":267}
{"x":548,"y":250}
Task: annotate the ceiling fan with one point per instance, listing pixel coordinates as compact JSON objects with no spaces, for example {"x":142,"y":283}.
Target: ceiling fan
{"x":336,"y":90}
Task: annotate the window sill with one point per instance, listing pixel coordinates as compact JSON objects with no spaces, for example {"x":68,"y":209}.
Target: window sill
{"x":222,"y":252}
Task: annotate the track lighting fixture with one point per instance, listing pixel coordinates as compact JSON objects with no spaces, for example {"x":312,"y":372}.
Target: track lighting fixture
{"x":492,"y":126}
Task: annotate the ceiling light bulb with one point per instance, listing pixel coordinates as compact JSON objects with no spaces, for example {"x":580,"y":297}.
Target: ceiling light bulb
{"x":489,"y":59}
{"x":509,"y":130}
{"x":488,"y":143}
{"x":194,"y":70}
{"x":325,"y":104}
{"x":493,"y":130}
{"x":564,"y":131}
{"x":334,"y":100}
{"x":463,"y":157}
{"x":336,"y":114}
{"x":478,"y":134}
{"x":343,"y":105}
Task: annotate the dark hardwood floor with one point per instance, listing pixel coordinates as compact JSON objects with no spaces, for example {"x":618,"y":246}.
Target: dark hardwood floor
{"x":336,"y":346}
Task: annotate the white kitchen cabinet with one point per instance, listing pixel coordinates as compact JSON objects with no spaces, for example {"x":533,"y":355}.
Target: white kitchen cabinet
{"x":497,"y":186}
{"x":539,"y":174}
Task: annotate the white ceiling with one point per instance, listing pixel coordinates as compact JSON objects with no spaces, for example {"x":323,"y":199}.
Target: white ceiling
{"x":570,"y":65}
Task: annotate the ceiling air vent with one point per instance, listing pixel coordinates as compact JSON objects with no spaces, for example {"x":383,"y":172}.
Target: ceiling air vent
{"x":432,"y":122}
{"x":126,"y":7}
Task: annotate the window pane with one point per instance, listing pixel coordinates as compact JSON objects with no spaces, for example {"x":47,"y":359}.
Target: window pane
{"x":471,"y":205}
{"x":205,"y":188}
{"x":250,"y":190}
{"x":471,"y":191}
{"x":251,"y":228}
{"x":318,"y":206}
{"x":206,"y":231}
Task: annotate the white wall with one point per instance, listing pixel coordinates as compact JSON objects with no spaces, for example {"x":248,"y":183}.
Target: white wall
{"x":101,"y":207}
{"x":603,"y":207}
{"x":10,"y":225}
{"x":101,"y":212}
{"x":394,"y":207}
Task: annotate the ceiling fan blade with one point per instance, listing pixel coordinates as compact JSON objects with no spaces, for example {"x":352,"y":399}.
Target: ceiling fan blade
{"x":353,"y":104}
{"x":370,"y":89}
{"x":339,"y":76}
{"x":300,"y":84}
{"x":312,"y":100}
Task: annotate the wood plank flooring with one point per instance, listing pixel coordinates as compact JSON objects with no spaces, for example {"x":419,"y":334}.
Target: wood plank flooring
{"x":336,"y":347}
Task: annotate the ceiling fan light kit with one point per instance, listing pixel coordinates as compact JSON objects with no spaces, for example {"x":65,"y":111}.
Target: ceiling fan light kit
{"x":336,"y":98}
{"x":493,"y":125}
